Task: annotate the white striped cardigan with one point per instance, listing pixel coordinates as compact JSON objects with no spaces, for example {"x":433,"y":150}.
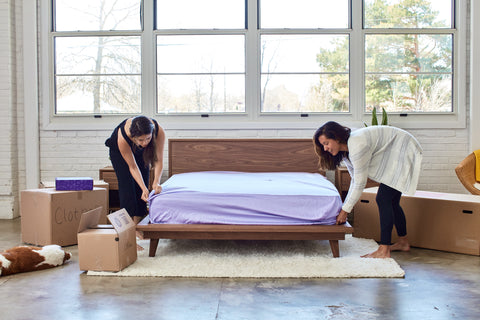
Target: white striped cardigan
{"x":385,"y":154}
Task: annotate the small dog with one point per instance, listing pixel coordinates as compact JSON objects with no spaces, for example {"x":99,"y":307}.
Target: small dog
{"x":27,"y":258}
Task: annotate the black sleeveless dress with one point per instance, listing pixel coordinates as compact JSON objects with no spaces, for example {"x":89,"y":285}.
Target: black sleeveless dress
{"x":130,"y":194}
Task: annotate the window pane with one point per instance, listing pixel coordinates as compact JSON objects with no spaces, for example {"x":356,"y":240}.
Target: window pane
{"x":305,"y":73}
{"x":90,"y":15}
{"x":97,"y":55}
{"x":98,"y":94}
{"x":201,"y":54}
{"x":304,"y":14}
{"x":201,"y":93}
{"x":409,"y":92}
{"x":408,"y":14}
{"x":205,"y":14}
{"x":201,"y":73}
{"x":409,"y":72}
{"x":305,"y":93}
{"x":409,"y":53}
{"x":97,"y":74}
{"x":304,"y":53}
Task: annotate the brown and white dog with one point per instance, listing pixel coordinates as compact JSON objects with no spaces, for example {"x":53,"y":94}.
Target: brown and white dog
{"x":27,"y":258}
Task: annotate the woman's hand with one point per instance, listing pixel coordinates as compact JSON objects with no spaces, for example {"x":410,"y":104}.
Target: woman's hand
{"x":342,"y":217}
{"x":145,"y":195}
{"x":157,"y":189}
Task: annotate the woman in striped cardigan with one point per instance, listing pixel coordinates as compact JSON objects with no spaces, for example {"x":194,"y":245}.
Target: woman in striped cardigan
{"x":385,"y":154}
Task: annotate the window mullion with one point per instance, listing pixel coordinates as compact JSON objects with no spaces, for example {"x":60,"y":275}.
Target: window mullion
{"x":252,"y":62}
{"x":357,"y":58}
{"x":148,"y":60}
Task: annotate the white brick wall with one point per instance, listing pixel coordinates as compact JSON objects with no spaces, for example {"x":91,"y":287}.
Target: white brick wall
{"x":10,"y":71}
{"x":83,"y":153}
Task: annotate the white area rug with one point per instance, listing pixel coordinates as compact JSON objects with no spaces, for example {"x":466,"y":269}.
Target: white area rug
{"x":259,"y":259}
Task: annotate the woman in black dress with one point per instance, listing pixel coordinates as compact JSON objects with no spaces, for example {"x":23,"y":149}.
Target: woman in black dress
{"x":138,"y":147}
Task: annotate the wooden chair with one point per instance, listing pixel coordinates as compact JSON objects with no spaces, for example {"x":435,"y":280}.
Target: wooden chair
{"x":466,"y":173}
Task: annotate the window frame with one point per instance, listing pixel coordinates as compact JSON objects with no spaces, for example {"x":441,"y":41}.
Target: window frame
{"x":253,"y":118}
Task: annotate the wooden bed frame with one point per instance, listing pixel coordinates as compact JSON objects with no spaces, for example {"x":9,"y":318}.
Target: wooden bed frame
{"x":246,"y":155}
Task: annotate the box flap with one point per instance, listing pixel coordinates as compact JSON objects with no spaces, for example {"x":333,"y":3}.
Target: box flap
{"x":102,"y":226}
{"x":73,"y":178}
{"x":89,"y":219}
{"x":121,"y":220}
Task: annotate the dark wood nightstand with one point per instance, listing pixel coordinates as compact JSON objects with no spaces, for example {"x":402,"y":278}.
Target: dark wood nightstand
{"x":342,"y":181}
{"x":108,"y":175}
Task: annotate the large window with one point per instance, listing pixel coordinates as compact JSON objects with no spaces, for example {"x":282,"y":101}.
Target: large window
{"x":97,"y":64}
{"x":256,"y":60}
{"x":409,"y":55}
{"x":295,"y":78}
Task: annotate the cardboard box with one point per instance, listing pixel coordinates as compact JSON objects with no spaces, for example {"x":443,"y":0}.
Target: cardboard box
{"x":73,"y":183}
{"x":49,"y":216}
{"x":106,"y":247}
{"x":440,"y":221}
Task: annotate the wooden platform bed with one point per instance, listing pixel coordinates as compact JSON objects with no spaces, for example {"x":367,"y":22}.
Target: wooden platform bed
{"x":246,"y":155}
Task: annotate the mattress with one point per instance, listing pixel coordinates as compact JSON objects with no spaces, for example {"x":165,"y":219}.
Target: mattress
{"x":226,"y":197}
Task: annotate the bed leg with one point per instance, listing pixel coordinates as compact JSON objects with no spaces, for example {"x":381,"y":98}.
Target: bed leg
{"x":335,"y":248}
{"x":153,"y":247}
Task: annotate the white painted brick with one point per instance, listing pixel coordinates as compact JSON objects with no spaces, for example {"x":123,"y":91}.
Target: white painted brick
{"x":236,"y":134}
{"x":266,"y":134}
{"x":297,"y":134}
{"x":89,"y":134}
{"x":67,"y":134}
{"x":436,"y":133}
{"x":187,"y":134}
{"x":8,"y":207}
{"x":442,"y":148}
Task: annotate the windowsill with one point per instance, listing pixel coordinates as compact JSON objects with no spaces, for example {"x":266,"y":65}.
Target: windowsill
{"x":246,"y":122}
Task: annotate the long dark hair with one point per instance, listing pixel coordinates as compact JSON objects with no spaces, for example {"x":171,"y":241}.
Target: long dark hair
{"x":335,"y":131}
{"x":140,"y":126}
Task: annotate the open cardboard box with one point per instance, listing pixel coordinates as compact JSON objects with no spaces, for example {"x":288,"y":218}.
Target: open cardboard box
{"x":106,"y":247}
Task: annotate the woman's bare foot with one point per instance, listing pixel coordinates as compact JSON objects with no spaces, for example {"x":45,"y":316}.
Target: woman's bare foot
{"x":401,"y":245}
{"x":382,"y":252}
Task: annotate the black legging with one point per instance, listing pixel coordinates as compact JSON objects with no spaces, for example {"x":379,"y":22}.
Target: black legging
{"x":129,"y":192}
{"x":388,"y":201}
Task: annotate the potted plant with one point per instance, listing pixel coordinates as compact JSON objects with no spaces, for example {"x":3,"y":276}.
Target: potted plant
{"x":375,"y":120}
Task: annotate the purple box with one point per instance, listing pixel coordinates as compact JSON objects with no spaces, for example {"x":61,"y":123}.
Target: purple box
{"x":74,"y":183}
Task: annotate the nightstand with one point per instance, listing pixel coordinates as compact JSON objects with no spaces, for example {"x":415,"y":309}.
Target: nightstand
{"x":342,"y":181}
{"x":108,"y":175}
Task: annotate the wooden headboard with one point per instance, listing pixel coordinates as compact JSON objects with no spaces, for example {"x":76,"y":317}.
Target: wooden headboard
{"x":247,"y":155}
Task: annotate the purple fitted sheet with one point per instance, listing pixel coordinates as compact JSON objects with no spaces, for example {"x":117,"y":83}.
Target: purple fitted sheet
{"x":272,"y":198}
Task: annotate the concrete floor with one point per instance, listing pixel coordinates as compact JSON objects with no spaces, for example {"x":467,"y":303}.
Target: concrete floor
{"x":437,"y":285}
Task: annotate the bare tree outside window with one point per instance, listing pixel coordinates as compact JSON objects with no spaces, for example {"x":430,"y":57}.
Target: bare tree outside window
{"x":97,"y":74}
{"x":201,"y":73}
